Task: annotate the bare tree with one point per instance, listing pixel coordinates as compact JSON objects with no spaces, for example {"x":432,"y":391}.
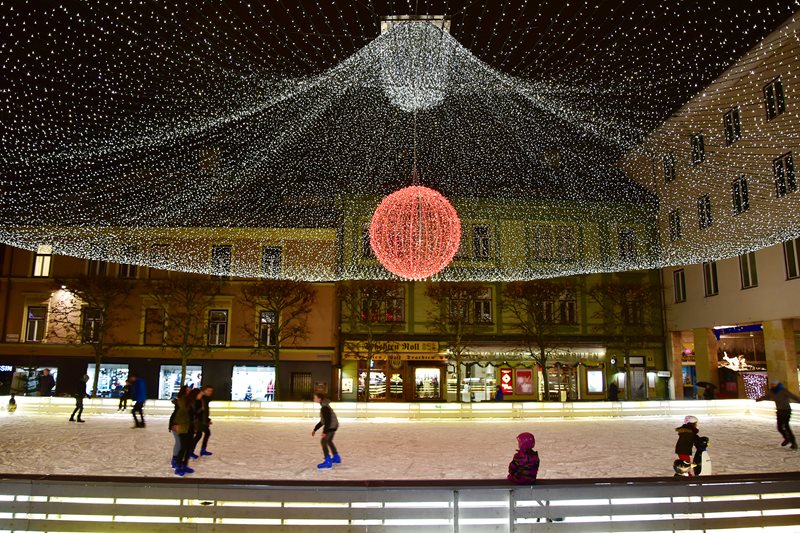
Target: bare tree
{"x":455,"y":316}
{"x":183,"y":302}
{"x":532,"y":306}
{"x":372,"y":310}
{"x":91,"y":311}
{"x":282,"y":307}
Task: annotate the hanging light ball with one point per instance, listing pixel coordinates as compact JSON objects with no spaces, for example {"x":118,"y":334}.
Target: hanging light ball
{"x":415,"y":232}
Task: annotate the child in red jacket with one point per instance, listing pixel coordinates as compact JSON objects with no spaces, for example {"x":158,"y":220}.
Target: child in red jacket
{"x":523,"y":469}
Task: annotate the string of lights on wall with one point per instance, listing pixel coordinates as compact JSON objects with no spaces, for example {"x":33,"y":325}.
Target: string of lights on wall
{"x":128,"y":125}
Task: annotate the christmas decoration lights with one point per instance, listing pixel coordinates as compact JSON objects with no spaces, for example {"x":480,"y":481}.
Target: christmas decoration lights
{"x":129,"y":125}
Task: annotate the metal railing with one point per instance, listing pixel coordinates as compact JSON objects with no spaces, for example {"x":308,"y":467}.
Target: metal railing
{"x":768,"y":502}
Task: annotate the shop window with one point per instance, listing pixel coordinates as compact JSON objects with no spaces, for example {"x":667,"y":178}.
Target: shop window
{"x":42,"y":260}
{"x":704,"y":211}
{"x":266,"y":329}
{"x":791,"y":254}
{"x":92,"y":325}
{"x":480,"y":242}
{"x":747,"y":268}
{"x":221,"y":255}
{"x":674,"y":225}
{"x":169,"y":380}
{"x":153,"y":326}
{"x":785,"y":181}
{"x":26,"y":379}
{"x":741,"y":198}
{"x":377,"y":386}
{"x":36,"y":324}
{"x":627,"y":245}
{"x":710,"y":278}
{"x":271,"y":261}
{"x":427,"y":384}
{"x":733,"y":126}
{"x":698,"y":149}
{"x":679,"y":285}
{"x":669,"y":167}
{"x":217,"y":327}
{"x":253,"y":383}
{"x":111,"y":380}
{"x":774,"y":102}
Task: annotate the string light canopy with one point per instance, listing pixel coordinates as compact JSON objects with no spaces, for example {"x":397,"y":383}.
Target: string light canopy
{"x":122,"y":118}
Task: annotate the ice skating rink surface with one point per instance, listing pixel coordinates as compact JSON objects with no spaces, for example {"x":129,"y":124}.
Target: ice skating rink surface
{"x":386,"y":449}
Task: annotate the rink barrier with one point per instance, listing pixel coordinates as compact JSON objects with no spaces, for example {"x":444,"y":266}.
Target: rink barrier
{"x":63,"y":406}
{"x":765,"y":502}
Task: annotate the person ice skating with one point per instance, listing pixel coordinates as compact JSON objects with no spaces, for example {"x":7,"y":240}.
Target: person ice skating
{"x":783,"y":410}
{"x":709,"y":391}
{"x":183,"y":426}
{"x":139,"y":397}
{"x":176,"y":447}
{"x":80,"y":394}
{"x":688,"y":439}
{"x":329,"y":424}
{"x":203,"y":421}
{"x":12,"y":404}
{"x":524,"y":468}
{"x":124,"y":396}
{"x":46,"y":383}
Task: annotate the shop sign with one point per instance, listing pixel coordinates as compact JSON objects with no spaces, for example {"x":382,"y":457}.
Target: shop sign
{"x":12,"y":337}
{"x":384,"y":347}
{"x":664,"y":373}
{"x":506,"y":381}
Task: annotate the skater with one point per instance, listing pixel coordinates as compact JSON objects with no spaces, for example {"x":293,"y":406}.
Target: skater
{"x":139,"y":389}
{"x":46,"y":383}
{"x":124,"y":395}
{"x":687,"y":439}
{"x":329,"y":424}
{"x":783,"y":410}
{"x":524,"y":468}
{"x":183,"y":425}
{"x":176,"y":447}
{"x":203,"y":421}
{"x":80,"y":394}
{"x":12,"y":404}
{"x":709,"y":391}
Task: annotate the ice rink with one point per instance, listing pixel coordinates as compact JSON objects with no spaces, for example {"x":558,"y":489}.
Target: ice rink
{"x":386,"y":449}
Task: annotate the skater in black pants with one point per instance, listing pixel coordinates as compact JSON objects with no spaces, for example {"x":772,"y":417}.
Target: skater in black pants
{"x":203,"y":430}
{"x":124,"y":396}
{"x":183,"y":426}
{"x":80,"y":394}
{"x":329,"y":424}
{"x":782,"y":398}
{"x":139,"y":389}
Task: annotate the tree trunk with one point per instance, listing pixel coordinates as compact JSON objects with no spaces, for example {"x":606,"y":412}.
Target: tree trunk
{"x":97,"y":360}
{"x":184,"y":361}
{"x":277,"y":360}
{"x":369,"y":377}
{"x":545,"y":380}
{"x":458,"y":377}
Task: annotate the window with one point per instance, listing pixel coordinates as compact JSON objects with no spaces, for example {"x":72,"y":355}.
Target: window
{"x":153,"y":326}
{"x":483,"y":307}
{"x":127,"y":271}
{"x":548,"y":311}
{"x":366,"y":246}
{"x":747,"y":268}
{"x":627,"y":245}
{"x":217,"y":327}
{"x":791,"y":253}
{"x":92,"y":322}
{"x":479,"y":311}
{"x":42,"y":260}
{"x":785,"y":182}
{"x":271,"y":261}
{"x":480,"y":242}
{"x":774,"y":102}
{"x":669,"y":167}
{"x":704,"y":211}
{"x":679,"y":285}
{"x":96,"y":267}
{"x":463,"y":245}
{"x":733,"y":126}
{"x":221,"y":260}
{"x":553,"y":243}
{"x":568,"y":308}
{"x":741,"y":199}
{"x":388,"y":308}
{"x":710,"y":278}
{"x":266,"y":329}
{"x":698,"y":149}
{"x":633,"y":310}
{"x":675,"y":225}
{"x":35,"y":326}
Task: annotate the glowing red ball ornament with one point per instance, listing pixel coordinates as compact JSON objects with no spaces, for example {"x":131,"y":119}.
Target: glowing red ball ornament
{"x":415,"y":232}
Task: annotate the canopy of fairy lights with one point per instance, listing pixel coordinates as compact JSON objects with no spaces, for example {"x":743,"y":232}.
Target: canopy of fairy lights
{"x":147,"y":133}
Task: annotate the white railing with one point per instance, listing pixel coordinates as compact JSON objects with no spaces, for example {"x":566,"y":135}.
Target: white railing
{"x":227,"y":409}
{"x":763,"y":502}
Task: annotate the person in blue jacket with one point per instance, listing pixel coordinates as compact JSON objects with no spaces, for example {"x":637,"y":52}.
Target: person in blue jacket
{"x":139,"y":397}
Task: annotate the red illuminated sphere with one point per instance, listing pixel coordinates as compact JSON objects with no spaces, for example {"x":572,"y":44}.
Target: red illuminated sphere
{"x":415,"y":232}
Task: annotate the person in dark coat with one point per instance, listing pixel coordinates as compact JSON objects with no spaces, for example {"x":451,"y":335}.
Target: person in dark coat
{"x":498,"y":394}
{"x":79,"y":395}
{"x":329,"y":424}
{"x":124,"y":396}
{"x":524,"y":468}
{"x":783,"y":410}
{"x":139,"y":397}
{"x":709,"y":391}
{"x":176,"y":447}
{"x":46,"y":383}
{"x":688,"y":439}
{"x":613,"y":392}
{"x":183,"y":425}
{"x":203,"y":419}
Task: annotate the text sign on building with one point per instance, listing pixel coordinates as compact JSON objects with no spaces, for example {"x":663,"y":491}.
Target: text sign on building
{"x":384,"y":347}
{"x":506,"y":381}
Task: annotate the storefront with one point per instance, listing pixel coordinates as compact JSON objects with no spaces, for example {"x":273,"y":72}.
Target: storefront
{"x":111,"y":380}
{"x":253,"y":383}
{"x":169,"y":379}
{"x":24,"y":380}
{"x":741,"y":361}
